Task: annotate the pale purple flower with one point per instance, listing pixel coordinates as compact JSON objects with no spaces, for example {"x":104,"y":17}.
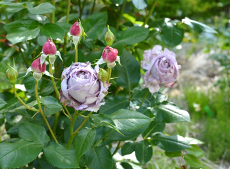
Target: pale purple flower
{"x":81,"y":88}
{"x":161,"y":66}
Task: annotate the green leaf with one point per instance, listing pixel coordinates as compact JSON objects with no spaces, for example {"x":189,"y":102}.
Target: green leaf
{"x":170,"y":143}
{"x":18,"y":154}
{"x":95,"y":24}
{"x":53,"y":31}
{"x":128,"y":75}
{"x":127,"y":120}
{"x":192,"y":160}
{"x":51,"y":104}
{"x":169,"y":113}
{"x":139,"y":4}
{"x":172,"y":35}
{"x":11,"y":4}
{"x":131,"y":36}
{"x":98,"y":158}
{"x":22,"y":35}
{"x":60,"y":156}
{"x":2,"y":103}
{"x":153,"y":128}
{"x":42,"y":8}
{"x":103,"y":120}
{"x":195,"y":150}
{"x":173,"y":154}
{"x":193,"y":140}
{"x":126,"y":165}
{"x":143,"y":151}
{"x":110,"y":134}
{"x":33,"y":132}
{"x":84,"y":140}
{"x":198,"y":26}
{"x":128,"y":148}
{"x":113,"y":104}
{"x":21,"y":25}
{"x":11,"y":106}
{"x":65,"y":26}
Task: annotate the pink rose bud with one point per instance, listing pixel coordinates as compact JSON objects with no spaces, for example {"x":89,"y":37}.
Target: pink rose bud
{"x":37,"y":67}
{"x":12,"y":74}
{"x":109,"y":37}
{"x":109,"y":54}
{"x":49,"y":48}
{"x":75,"y":29}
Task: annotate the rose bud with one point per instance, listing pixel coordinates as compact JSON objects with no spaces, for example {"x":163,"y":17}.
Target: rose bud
{"x":75,"y":29}
{"x":109,"y":37}
{"x":109,"y":56}
{"x":161,"y":66}
{"x":49,"y":48}
{"x":38,"y":69}
{"x":102,"y":75}
{"x":12,"y":74}
{"x":76,"y":32}
{"x":81,"y":88}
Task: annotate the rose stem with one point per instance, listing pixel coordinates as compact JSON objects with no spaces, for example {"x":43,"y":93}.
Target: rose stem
{"x":57,"y":95}
{"x":76,"y":53}
{"x":30,"y":108}
{"x":146,"y":94}
{"x":71,"y":136}
{"x":42,"y":113}
{"x":53,"y":14}
{"x":121,"y":13}
{"x":109,"y":74}
{"x":23,"y":56}
{"x":150,"y":12}
{"x":83,"y":123}
{"x":92,"y":9}
{"x":67,"y":21}
{"x":117,"y":148}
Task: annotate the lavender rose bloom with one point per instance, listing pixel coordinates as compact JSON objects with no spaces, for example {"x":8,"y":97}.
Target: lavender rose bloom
{"x":161,"y":66}
{"x":81,"y":88}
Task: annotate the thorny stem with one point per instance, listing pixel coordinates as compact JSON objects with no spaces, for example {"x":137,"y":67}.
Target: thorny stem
{"x":42,"y":113}
{"x":121,"y":13}
{"x":71,"y":129}
{"x":83,"y":123}
{"x":70,"y":117}
{"x":23,"y":56}
{"x":146,"y":94}
{"x":150,"y":12}
{"x":117,"y":148}
{"x":24,"y":104}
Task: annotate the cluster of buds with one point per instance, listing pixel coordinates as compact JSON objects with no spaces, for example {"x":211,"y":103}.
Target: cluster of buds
{"x":109,"y":54}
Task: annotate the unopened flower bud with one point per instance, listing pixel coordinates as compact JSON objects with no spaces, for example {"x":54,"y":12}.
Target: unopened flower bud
{"x":109,"y":54}
{"x":37,"y":67}
{"x":75,"y":29}
{"x":12,"y":74}
{"x":49,"y":48}
{"x":109,"y":37}
{"x":102,"y":75}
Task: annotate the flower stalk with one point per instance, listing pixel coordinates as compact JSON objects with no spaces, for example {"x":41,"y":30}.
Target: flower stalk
{"x":150,"y":12}
{"x":71,"y":129}
{"x":42,"y":113}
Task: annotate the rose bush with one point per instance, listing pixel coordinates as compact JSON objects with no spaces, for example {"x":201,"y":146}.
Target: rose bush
{"x":161,"y":66}
{"x":81,"y":88}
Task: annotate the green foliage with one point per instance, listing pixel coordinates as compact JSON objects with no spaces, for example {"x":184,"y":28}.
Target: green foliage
{"x":79,"y":138}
